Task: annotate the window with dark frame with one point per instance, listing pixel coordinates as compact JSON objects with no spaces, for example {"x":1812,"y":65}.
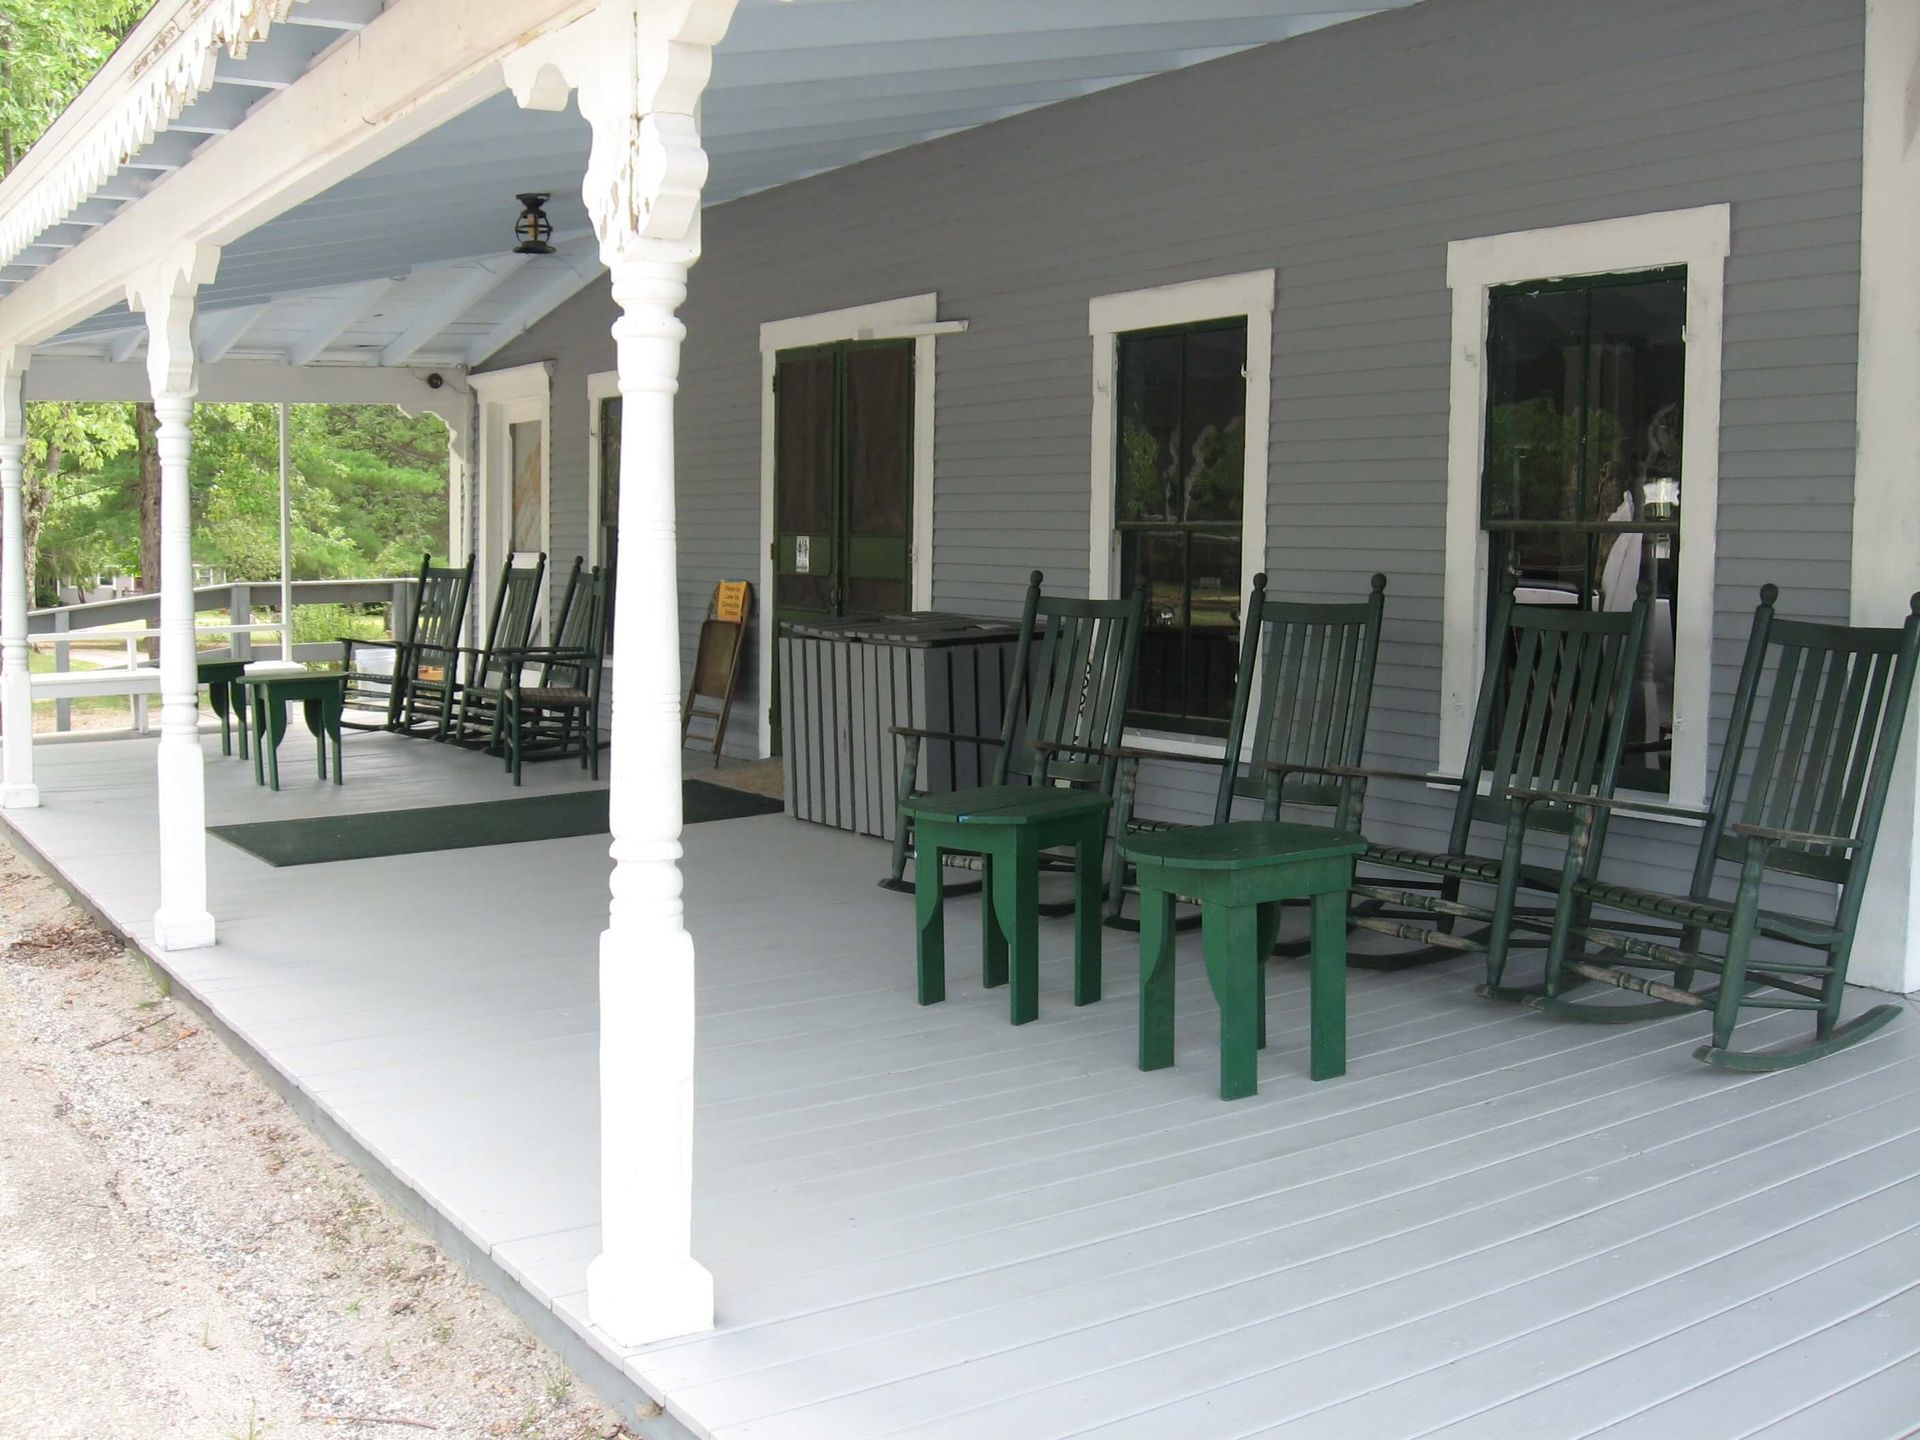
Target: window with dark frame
{"x":1581,"y":489}
{"x":609,"y":498}
{"x":1180,"y":483}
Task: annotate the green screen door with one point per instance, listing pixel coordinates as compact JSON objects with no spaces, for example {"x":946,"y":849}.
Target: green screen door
{"x":843,"y":484}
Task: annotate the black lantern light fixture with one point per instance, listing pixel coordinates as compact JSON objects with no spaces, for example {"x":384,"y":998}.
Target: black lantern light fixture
{"x":531,"y":227}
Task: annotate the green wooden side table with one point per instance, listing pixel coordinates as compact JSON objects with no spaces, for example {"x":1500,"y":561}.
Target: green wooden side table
{"x":1239,"y":874}
{"x":1008,"y":826}
{"x":322,"y":693}
{"x":229,"y":698}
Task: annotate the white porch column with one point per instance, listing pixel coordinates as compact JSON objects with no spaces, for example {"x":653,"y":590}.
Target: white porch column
{"x":166,"y":296}
{"x":639,"y":67}
{"x":17,"y":790}
{"x":1886,"y":496}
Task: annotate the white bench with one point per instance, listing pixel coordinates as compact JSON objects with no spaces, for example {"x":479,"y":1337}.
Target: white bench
{"x":138,"y":681}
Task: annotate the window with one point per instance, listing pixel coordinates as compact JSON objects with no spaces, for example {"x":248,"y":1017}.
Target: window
{"x":1582,"y":486}
{"x":1182,"y":389}
{"x":606,"y":452}
{"x":1582,"y":410}
{"x":607,"y":495}
{"x":1179,"y":497}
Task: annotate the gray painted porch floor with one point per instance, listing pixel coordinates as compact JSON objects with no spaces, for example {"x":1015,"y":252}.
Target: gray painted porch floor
{"x":923,"y":1222}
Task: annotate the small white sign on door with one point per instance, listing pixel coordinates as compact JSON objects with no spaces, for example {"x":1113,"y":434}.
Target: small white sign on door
{"x":803,"y":554}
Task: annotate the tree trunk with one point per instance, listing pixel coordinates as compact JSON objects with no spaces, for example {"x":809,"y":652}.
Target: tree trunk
{"x":36,"y":493}
{"x":145,"y":427}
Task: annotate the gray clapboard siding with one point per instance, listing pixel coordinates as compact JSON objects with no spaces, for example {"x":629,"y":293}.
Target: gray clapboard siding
{"x":1346,"y":160}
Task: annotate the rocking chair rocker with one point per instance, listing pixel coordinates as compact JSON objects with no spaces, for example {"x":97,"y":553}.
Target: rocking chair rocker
{"x":1804,"y":776}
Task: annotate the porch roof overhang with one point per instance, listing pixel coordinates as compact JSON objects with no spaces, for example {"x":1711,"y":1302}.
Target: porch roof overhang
{"x":355,"y":161}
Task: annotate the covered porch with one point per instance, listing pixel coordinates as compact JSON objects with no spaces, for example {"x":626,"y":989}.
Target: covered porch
{"x":925,"y":1221}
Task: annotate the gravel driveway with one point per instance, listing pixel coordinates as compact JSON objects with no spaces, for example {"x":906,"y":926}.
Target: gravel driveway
{"x":180,"y":1259}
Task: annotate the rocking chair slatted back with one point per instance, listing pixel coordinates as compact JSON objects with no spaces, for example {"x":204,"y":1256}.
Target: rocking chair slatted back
{"x":582,"y":628}
{"x":511,"y":625}
{"x":1556,"y":717}
{"x":1815,"y":753}
{"x":1315,"y":662}
{"x":1076,"y":686}
{"x":440,"y":606}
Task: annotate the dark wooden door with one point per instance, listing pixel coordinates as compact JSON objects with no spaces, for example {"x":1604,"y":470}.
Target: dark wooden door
{"x":843,"y":483}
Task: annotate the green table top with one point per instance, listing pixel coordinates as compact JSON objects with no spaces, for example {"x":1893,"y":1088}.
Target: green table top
{"x":222,"y":669}
{"x":1006,"y":804}
{"x":1243,"y":846}
{"x":314,"y":678}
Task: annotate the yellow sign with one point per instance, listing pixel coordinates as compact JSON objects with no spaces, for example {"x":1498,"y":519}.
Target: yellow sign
{"x":730,"y":601}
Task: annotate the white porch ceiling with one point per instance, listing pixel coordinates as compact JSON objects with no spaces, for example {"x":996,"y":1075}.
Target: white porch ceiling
{"x":407,"y":261}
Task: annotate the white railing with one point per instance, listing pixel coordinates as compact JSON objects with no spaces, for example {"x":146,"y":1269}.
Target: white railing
{"x":127,"y":622}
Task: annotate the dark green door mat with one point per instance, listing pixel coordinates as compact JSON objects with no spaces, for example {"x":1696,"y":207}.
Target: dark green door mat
{"x":325,"y":838}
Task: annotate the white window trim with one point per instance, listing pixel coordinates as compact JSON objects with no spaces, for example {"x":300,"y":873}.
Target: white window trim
{"x":601,"y":385}
{"x":521,"y":393}
{"x":1221,"y":297}
{"x":914,"y":317}
{"x":1697,"y":238}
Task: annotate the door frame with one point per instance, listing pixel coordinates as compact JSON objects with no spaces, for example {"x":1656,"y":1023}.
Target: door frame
{"x":912,"y":317}
{"x":506,"y":398}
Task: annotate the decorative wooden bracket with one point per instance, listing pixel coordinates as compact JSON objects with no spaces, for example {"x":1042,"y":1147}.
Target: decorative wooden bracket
{"x":13,"y":414}
{"x":638,"y":67}
{"x":165,"y":293}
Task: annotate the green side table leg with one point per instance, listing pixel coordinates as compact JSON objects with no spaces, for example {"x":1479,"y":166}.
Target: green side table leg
{"x":1156,"y":979}
{"x":223,"y":712}
{"x":1329,"y":1005}
{"x":1016,"y":901}
{"x":994,"y":934}
{"x":335,"y":705}
{"x":1088,"y":854}
{"x":276,"y":728}
{"x":255,"y":722}
{"x":1230,"y":936}
{"x":314,"y":710}
{"x":1269,"y":932}
{"x":242,"y":716}
{"x":931,"y":946}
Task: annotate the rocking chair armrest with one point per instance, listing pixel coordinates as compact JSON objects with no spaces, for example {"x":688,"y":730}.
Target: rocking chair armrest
{"x":1058,"y":747}
{"x":1138,"y":752}
{"x":1609,"y":803}
{"x":1287,"y":768}
{"x":913,"y":732}
{"x":1775,"y":835}
{"x":529,"y":654}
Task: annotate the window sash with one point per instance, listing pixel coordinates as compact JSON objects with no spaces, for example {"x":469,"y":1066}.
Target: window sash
{"x":1231,"y":531}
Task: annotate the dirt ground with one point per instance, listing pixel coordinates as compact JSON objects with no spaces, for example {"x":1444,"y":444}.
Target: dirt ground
{"x":180,"y":1259}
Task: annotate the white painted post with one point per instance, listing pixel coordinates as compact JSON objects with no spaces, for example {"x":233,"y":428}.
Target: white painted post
{"x":1886,"y":497}
{"x":639,"y":67}
{"x":17,"y":790}
{"x":62,"y":663}
{"x":286,"y":541}
{"x":166,"y":296}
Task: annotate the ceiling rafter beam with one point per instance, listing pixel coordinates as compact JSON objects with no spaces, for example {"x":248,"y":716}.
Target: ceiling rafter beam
{"x":451,"y":304}
{"x":575,"y":267}
{"x":354,"y":304}
{"x":215,"y":332}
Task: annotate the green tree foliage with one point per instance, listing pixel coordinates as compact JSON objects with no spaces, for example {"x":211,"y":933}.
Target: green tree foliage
{"x":368,"y":494}
{"x":369,"y":488}
{"x":49,"y":49}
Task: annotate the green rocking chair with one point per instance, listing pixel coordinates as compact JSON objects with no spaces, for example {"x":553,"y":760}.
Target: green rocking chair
{"x":1313,"y":665}
{"x":1552,"y":714}
{"x":516,"y":603}
{"x":557,"y":713}
{"x":416,"y":696}
{"x":1804,"y":775}
{"x":1064,"y":710}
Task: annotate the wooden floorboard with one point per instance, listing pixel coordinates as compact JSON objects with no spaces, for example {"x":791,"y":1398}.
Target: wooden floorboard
{"x":926,"y":1222}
